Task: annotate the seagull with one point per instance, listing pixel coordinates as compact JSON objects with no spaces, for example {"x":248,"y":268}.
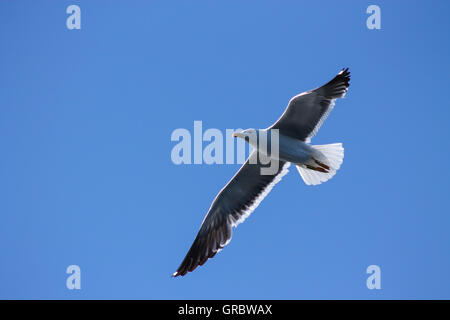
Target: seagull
{"x":300,"y":122}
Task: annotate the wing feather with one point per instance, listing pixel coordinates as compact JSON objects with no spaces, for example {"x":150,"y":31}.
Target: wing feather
{"x":234,"y":203}
{"x":307,"y":111}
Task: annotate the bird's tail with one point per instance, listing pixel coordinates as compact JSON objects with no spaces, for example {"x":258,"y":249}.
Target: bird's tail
{"x":324,"y":163}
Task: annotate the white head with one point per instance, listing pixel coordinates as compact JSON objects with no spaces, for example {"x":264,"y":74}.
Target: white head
{"x":249,"y":135}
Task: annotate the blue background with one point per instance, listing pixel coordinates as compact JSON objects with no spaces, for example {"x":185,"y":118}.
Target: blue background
{"x":86,"y":176}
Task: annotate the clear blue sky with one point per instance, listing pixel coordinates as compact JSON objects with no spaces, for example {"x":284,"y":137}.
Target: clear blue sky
{"x":86,"y":176}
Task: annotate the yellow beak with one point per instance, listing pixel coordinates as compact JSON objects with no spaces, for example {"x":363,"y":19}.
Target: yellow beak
{"x":235,"y":135}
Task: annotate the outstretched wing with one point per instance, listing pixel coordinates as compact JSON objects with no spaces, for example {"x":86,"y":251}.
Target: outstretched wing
{"x":235,"y":202}
{"x":307,"y":111}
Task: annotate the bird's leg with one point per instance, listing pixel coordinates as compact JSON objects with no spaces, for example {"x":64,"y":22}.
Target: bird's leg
{"x":323,"y":165}
{"x":320,"y":169}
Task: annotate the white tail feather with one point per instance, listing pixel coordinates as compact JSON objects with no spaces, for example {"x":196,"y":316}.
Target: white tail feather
{"x":330,"y":155}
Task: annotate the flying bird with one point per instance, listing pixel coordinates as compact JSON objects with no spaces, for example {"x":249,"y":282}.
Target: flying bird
{"x":300,"y":122}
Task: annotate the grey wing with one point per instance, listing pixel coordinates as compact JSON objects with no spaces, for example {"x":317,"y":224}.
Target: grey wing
{"x":307,"y":111}
{"x":232,"y":205}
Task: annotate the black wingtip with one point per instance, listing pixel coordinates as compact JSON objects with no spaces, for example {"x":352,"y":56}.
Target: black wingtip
{"x":178,"y":273}
{"x":345,"y":72}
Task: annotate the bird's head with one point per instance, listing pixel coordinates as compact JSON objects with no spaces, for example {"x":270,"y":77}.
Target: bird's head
{"x":246,"y":134}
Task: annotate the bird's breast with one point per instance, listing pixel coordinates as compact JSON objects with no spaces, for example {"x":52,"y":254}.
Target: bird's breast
{"x":286,"y":149}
